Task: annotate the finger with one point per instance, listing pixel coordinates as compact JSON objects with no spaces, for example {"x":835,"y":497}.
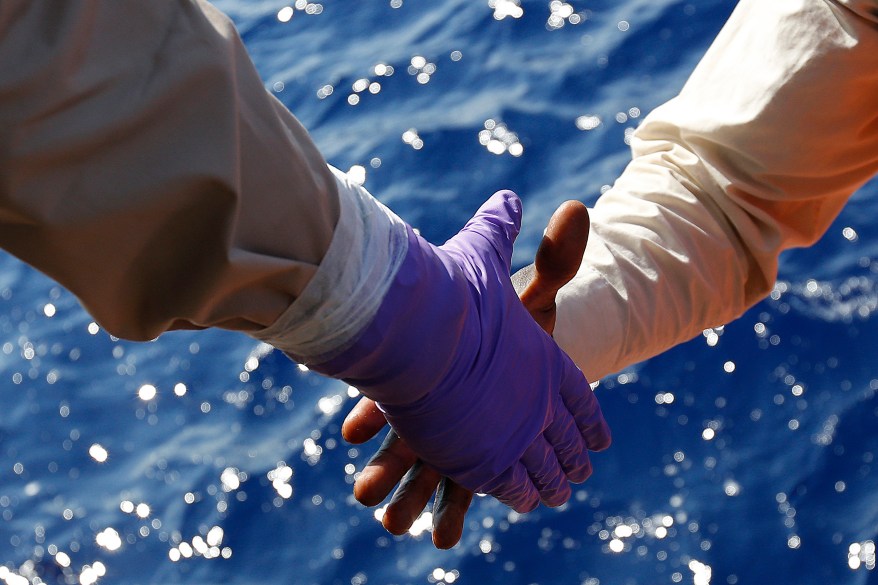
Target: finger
{"x":384,"y":470}
{"x":546,"y":473}
{"x":514,"y":488}
{"x":568,"y":444}
{"x":557,"y":260}
{"x":560,"y":253}
{"x":580,"y":401}
{"x":410,"y":498}
{"x":499,"y":221}
{"x":449,"y":513}
{"x":363,"y":422}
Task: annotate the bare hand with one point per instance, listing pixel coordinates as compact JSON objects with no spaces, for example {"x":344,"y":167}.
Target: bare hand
{"x":557,"y":260}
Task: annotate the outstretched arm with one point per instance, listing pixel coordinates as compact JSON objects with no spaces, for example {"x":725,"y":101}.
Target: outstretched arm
{"x":145,"y":167}
{"x":770,"y":136}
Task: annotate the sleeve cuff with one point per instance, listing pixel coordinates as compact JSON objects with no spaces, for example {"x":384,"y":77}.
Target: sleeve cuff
{"x":367,"y":248}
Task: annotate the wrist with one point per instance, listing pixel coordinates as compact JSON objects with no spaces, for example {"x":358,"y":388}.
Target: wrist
{"x":367,"y":248}
{"x":412,"y":342}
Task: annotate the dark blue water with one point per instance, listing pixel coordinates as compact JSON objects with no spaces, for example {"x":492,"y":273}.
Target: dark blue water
{"x":743,"y":457}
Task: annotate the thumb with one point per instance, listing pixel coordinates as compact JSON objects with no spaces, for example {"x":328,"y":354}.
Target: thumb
{"x":557,"y":261}
{"x":498,"y":221}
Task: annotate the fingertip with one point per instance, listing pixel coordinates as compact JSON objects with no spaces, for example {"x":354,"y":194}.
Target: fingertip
{"x":445,"y":542}
{"x":447,"y":534}
{"x":580,"y":473}
{"x":367,"y":492}
{"x":363,"y":422}
{"x":560,"y":252}
{"x":503,"y":210}
{"x":352,"y":432}
{"x":528,"y":504}
{"x":449,"y":513}
{"x":571,"y":218}
{"x":599,"y":437}
{"x":393,"y":524}
{"x":511,"y":201}
{"x":558,"y":497}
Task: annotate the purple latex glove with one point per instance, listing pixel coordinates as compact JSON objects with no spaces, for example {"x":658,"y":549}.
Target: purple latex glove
{"x":467,"y":378}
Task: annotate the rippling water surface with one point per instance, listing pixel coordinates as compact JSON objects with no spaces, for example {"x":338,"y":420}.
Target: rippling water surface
{"x":742,"y":457}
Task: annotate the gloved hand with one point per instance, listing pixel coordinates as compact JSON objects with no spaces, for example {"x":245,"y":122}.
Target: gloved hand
{"x":467,"y":378}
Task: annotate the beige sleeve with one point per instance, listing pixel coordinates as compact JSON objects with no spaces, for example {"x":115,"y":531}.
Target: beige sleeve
{"x":144,"y":166}
{"x":773,"y":132}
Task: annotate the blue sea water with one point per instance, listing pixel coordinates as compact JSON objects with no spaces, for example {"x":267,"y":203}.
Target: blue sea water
{"x":742,"y":457}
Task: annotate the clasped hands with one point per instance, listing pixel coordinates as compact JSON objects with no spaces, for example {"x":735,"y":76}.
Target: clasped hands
{"x":557,"y":260}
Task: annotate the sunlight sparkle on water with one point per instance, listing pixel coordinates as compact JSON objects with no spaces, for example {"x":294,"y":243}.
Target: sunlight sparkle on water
{"x":147,"y":392}
{"x":330,"y":405}
{"x":421,"y":69}
{"x":561,"y":13}
{"x":280,"y":478}
{"x":91,"y":574}
{"x":587,"y":123}
{"x":664,"y":398}
{"x":202,"y":546}
{"x":285,"y":14}
{"x":861,"y":555}
{"x":109,"y":539}
{"x":498,"y":139}
{"x":411,"y":138}
{"x":732,"y":488}
{"x":231,"y":479}
{"x":849,"y":234}
{"x":701,"y":572}
{"x":98,"y":453}
{"x":504,"y":8}
{"x":424,"y":523}
{"x":442,"y":576}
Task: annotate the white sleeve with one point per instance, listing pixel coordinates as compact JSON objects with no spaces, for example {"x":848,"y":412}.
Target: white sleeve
{"x":144,"y":166}
{"x":773,"y":132}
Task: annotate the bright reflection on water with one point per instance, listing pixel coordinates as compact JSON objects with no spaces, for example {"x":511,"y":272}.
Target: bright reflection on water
{"x":506,"y":8}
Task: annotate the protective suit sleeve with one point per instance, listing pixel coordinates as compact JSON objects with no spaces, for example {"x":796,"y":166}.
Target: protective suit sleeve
{"x":772,"y":133}
{"x":144,"y":166}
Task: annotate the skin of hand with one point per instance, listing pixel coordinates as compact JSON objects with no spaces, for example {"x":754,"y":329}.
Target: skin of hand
{"x":557,"y":260}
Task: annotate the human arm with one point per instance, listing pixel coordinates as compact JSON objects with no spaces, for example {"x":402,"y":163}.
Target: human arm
{"x":139,"y":152}
{"x":146,"y":169}
{"x":770,"y":136}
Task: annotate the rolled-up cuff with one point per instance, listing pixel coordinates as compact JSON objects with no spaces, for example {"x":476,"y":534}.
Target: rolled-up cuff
{"x":367,"y":248}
